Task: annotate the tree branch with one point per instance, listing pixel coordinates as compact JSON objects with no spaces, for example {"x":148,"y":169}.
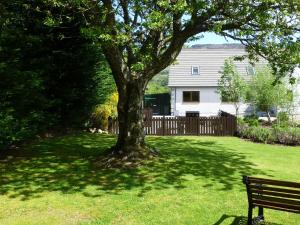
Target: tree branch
{"x":110,"y":49}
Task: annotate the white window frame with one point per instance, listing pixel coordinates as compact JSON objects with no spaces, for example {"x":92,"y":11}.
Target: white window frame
{"x":252,"y":68}
{"x":192,"y":70}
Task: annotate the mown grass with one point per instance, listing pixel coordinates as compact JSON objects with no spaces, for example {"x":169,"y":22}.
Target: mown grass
{"x":196,"y":181}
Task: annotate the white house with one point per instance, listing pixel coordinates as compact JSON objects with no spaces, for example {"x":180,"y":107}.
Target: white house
{"x":194,"y":77}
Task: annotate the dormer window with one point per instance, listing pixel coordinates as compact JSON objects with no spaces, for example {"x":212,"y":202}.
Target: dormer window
{"x":195,"y":70}
{"x":250,"y":70}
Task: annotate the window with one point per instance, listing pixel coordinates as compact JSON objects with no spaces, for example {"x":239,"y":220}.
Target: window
{"x":195,"y":70}
{"x":192,"y":114}
{"x":250,"y":70}
{"x":191,"y":96}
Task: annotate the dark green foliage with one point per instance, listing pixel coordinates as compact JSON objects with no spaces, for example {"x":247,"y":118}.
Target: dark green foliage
{"x":49,"y":71}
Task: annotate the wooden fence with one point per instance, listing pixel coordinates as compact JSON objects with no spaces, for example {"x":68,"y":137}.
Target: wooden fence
{"x":214,"y":126}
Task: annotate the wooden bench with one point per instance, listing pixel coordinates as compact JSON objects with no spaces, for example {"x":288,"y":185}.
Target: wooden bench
{"x":271,"y":194}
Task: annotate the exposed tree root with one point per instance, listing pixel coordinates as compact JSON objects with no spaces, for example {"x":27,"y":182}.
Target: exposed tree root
{"x":129,"y":158}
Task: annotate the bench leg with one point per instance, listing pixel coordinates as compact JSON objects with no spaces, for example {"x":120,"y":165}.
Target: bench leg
{"x":261,"y":212}
{"x":249,"y":216}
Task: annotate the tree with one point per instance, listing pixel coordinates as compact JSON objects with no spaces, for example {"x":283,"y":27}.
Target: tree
{"x":293,"y":101}
{"x":231,"y":86}
{"x":50,"y":72}
{"x":140,"y":38}
{"x":159,"y":83}
{"x":265,"y":94}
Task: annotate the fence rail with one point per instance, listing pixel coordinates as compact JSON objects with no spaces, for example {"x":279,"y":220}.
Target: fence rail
{"x":213,"y":126}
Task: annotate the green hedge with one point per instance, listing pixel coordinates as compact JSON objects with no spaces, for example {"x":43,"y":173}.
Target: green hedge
{"x":280,"y":135}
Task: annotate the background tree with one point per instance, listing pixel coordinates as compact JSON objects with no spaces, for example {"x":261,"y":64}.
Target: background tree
{"x":50,"y":72}
{"x":140,"y":38}
{"x":266,"y":94}
{"x":231,"y":85}
{"x":159,"y":83}
{"x":293,"y":100}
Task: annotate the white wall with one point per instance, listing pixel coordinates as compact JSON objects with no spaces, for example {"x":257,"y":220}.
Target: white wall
{"x":209,"y":105}
{"x":296,"y":113}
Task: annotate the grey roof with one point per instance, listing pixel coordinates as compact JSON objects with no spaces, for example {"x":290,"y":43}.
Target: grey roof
{"x":219,"y":46}
{"x":210,"y":61}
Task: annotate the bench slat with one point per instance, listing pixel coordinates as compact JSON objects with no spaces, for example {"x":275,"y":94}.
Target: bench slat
{"x":253,"y":180}
{"x":275,"y":189}
{"x":278,"y":208}
{"x":265,"y":203}
{"x":276,"y":200}
{"x":271,"y":193}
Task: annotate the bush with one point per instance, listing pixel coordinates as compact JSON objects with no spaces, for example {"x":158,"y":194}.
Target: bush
{"x":257,"y":134}
{"x":261,"y":134}
{"x":14,"y":130}
{"x":277,"y":134}
{"x":287,"y":135}
{"x":251,"y":120}
{"x":283,"y":119}
{"x":240,"y":121}
{"x":103,"y":111}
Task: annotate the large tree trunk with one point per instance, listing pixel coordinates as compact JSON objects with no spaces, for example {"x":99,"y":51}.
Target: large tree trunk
{"x":130,"y":149}
{"x":131,"y":138}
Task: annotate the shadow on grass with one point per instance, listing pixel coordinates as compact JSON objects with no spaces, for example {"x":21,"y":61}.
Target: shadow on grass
{"x":65,"y":165}
{"x":237,"y":220}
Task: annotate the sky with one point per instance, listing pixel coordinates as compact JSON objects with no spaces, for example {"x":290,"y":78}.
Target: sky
{"x":212,"y":38}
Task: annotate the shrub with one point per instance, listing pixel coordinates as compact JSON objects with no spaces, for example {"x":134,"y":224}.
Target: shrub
{"x":277,"y":134}
{"x":252,"y":120}
{"x":283,"y":119}
{"x":261,"y":134}
{"x":240,"y":121}
{"x":103,"y":111}
{"x":287,"y":135}
{"x":14,"y":130}
{"x":257,"y":134}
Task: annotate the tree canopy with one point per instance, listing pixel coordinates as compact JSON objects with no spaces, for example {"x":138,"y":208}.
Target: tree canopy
{"x":144,"y":37}
{"x":231,"y":85}
{"x":140,"y":38}
{"x":265,"y":94}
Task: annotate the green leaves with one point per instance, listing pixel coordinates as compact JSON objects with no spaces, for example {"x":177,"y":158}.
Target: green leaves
{"x":231,"y":85}
{"x":135,"y":29}
{"x":265,"y":93}
{"x":155,"y":20}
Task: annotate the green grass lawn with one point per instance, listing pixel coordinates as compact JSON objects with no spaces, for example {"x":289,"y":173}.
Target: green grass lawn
{"x":196,"y":181}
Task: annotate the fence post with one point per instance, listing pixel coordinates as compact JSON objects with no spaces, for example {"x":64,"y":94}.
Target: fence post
{"x":235,"y":125}
{"x":163,"y":125}
{"x":198,"y":118}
